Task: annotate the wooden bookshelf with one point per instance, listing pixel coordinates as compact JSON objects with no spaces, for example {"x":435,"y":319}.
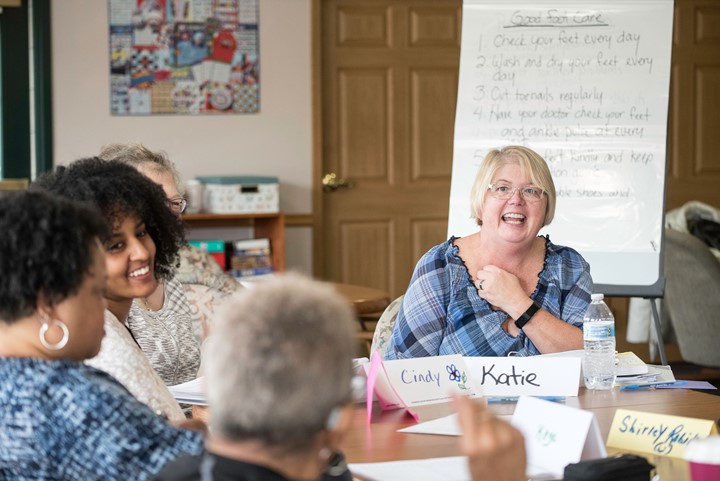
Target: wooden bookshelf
{"x":271,"y":226}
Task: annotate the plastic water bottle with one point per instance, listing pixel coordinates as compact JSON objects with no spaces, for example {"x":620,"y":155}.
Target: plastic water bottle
{"x":599,"y":337}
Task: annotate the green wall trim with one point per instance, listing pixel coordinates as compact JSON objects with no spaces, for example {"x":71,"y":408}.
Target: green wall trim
{"x":42,"y":62}
{"x":15,"y":93}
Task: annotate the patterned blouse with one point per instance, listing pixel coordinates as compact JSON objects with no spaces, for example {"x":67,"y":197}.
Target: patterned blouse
{"x":166,"y":336}
{"x":198,"y":267}
{"x":63,"y":420}
{"x":442,"y":312}
{"x":121,"y":357}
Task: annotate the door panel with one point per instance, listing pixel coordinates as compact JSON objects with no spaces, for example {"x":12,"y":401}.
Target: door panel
{"x":432,"y":147}
{"x":694,"y":168}
{"x":389,"y":87}
{"x":363,"y":130}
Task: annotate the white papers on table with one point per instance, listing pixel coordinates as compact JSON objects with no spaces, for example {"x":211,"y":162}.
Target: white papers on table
{"x":190,"y":392}
{"x":568,"y":435}
{"x":434,"y":469}
{"x":628,"y":364}
{"x":446,"y":426}
{"x":655,"y":375}
{"x":452,"y":468}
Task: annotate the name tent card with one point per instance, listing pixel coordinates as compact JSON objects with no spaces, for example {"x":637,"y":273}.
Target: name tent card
{"x":556,"y":435}
{"x":530,"y":376}
{"x":415,"y":382}
{"x":659,"y":434}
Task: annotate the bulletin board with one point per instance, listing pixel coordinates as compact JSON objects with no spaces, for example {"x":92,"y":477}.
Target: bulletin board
{"x":184,"y":57}
{"x":585,"y":84}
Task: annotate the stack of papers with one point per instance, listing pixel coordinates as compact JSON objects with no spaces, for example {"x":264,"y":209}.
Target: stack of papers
{"x":654,"y":375}
{"x":190,"y":392}
{"x":628,"y":364}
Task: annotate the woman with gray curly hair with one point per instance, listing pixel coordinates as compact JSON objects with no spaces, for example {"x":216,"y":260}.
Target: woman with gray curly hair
{"x":278,"y":373}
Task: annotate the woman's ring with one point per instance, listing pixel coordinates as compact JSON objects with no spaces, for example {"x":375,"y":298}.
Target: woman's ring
{"x":480,"y":283}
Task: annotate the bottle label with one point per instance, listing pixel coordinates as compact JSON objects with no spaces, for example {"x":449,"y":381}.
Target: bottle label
{"x":596,"y":331}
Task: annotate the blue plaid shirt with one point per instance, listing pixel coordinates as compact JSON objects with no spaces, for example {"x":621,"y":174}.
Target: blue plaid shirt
{"x":442,"y":312}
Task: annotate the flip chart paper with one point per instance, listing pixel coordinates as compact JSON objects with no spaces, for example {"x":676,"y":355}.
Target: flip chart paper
{"x":530,"y":376}
{"x":557,"y":435}
{"x":659,"y":434}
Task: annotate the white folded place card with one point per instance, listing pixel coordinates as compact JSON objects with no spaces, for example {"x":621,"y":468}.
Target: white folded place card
{"x":530,"y":376}
{"x":424,"y":380}
{"x":556,"y":435}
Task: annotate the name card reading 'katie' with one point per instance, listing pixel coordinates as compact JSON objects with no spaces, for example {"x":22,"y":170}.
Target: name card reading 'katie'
{"x":423,"y":380}
{"x":531,"y":376}
{"x":659,"y":434}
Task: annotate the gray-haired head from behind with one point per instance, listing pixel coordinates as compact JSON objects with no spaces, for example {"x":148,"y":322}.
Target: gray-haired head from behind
{"x":279,"y":361}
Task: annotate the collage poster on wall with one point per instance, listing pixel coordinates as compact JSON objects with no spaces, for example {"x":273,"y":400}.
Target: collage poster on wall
{"x":184,"y":57}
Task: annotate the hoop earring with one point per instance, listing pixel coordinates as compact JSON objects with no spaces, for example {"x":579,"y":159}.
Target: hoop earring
{"x":45,"y":327}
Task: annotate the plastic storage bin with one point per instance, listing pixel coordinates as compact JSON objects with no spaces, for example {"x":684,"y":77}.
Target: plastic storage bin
{"x":240,"y":194}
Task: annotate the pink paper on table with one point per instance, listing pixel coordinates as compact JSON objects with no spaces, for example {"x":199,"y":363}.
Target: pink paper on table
{"x":375,"y":365}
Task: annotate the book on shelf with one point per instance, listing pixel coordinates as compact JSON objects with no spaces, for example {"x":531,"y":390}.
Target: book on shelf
{"x":251,"y":257}
{"x":216,"y":249}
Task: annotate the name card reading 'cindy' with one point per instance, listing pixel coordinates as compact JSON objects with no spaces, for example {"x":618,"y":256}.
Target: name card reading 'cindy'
{"x":424,"y":380}
{"x":531,"y":376}
{"x":659,"y":434}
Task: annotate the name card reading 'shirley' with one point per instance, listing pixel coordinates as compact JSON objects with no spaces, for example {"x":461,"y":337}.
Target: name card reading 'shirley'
{"x":659,"y":434}
{"x":531,"y":376}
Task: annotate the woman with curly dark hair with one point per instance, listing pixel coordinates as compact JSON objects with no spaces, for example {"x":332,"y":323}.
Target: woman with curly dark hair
{"x":62,"y":419}
{"x":146,"y":237}
{"x":205,"y":282}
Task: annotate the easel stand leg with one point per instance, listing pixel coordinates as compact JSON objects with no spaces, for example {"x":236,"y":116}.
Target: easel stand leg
{"x":658,"y":332}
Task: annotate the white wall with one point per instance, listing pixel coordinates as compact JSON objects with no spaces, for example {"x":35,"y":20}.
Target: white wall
{"x":276,"y":141}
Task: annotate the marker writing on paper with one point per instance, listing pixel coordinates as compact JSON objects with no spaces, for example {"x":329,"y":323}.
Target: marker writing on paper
{"x":427,"y":377}
{"x":514,"y":399}
{"x":664,"y":437}
{"x":512,"y":378}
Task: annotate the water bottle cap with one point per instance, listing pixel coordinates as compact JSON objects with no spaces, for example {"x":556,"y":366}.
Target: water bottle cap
{"x":597,"y":297}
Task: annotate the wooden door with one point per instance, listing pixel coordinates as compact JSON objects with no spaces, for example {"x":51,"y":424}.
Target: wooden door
{"x":389,"y":72}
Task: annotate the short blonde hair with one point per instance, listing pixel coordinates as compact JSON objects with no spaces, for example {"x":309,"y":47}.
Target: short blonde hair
{"x":531,"y":163}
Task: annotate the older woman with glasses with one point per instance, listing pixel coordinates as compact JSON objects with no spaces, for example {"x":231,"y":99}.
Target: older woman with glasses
{"x":502,"y":289}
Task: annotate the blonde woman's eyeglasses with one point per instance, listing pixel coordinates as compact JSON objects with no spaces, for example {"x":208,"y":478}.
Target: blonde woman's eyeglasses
{"x":504,"y":191}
